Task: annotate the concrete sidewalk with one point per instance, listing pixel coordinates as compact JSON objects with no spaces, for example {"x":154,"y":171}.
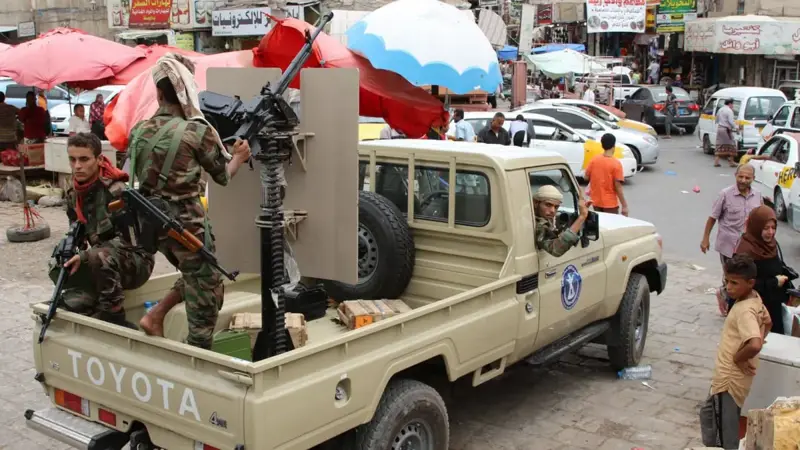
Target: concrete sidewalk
{"x":575,"y":404}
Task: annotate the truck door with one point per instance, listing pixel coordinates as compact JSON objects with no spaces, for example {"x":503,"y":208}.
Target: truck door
{"x":571,"y":286}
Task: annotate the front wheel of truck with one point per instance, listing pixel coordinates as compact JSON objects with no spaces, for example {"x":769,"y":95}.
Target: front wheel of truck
{"x":629,"y":327}
{"x":410,"y":416}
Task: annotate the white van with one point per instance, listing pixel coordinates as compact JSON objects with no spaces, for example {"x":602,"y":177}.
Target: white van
{"x":752,"y":108}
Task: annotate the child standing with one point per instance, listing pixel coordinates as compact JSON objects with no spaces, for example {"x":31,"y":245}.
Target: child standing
{"x":605,"y":177}
{"x":743,"y":334}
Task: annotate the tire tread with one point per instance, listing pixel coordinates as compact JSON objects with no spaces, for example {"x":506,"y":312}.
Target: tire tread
{"x":622,"y":353}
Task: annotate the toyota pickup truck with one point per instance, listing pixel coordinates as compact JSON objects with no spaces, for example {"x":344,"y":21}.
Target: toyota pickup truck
{"x":450,"y":227}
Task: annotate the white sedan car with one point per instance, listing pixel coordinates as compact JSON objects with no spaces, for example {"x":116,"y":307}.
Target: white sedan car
{"x":644,"y":146}
{"x":774,"y":164}
{"x":547,"y":133}
{"x":60,"y":114}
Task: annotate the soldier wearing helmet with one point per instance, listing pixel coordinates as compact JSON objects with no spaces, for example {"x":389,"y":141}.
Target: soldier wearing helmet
{"x":549,"y":237}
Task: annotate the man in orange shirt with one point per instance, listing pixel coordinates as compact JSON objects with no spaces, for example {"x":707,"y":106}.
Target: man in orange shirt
{"x":605,"y":177}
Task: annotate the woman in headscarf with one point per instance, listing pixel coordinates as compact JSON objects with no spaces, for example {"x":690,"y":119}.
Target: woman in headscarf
{"x":759,"y":242}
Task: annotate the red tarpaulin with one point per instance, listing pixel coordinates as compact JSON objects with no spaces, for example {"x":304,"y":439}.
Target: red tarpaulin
{"x":64,"y":55}
{"x":151,"y":55}
{"x":385,"y":94}
{"x":138,"y":100}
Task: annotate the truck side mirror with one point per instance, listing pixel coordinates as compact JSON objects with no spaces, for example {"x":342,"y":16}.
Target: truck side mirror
{"x":591,"y":227}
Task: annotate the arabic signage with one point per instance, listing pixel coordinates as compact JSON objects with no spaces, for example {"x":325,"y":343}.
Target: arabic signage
{"x":194,"y":14}
{"x":26,"y":29}
{"x":241,"y":22}
{"x":603,"y":16}
{"x":119,"y":13}
{"x":743,"y":37}
{"x":544,"y":14}
{"x":184,"y":41}
{"x":150,"y":13}
{"x":672,"y":15}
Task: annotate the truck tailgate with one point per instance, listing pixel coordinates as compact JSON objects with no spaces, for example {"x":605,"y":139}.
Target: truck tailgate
{"x":175,"y":394}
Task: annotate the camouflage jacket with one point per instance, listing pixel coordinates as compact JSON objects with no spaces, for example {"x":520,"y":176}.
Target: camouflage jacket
{"x":99,"y":225}
{"x":197,"y":151}
{"x":552,"y":240}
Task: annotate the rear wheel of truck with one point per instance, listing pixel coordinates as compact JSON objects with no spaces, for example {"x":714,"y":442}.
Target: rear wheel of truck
{"x":629,"y":326}
{"x":410,"y":416}
{"x":385,"y":252}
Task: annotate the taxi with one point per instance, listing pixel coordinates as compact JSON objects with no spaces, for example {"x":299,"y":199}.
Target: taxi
{"x":550,"y":134}
{"x":602,"y":113}
{"x":752,"y":108}
{"x":775,"y":165}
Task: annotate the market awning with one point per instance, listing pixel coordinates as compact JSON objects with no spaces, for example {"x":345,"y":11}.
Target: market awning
{"x":564,"y":63}
{"x":556,"y":47}
{"x":743,"y":35}
{"x":508,"y":53}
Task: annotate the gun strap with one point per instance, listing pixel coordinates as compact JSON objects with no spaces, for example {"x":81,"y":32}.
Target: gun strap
{"x":169,"y":159}
{"x":148,"y":149}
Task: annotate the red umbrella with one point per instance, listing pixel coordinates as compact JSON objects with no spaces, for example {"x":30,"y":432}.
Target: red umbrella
{"x":138,"y":100}
{"x":64,"y":55}
{"x":4,"y":47}
{"x":151,"y":55}
{"x":385,"y":94}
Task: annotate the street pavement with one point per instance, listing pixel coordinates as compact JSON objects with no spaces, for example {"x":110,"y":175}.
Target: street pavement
{"x":575,"y":404}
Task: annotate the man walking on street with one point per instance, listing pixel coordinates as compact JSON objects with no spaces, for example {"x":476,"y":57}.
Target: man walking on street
{"x":112,"y":264}
{"x":605,"y":177}
{"x":730,"y":209}
{"x":670,"y":112}
{"x":726,"y":144}
{"x":494,"y":133}
{"x":168,"y":153}
{"x":8,"y":124}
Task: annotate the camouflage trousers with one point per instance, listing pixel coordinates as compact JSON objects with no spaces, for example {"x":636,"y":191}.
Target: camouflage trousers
{"x":107,"y":270}
{"x":200,"y":285}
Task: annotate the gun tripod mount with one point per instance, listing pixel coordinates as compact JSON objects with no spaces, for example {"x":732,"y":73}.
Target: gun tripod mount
{"x":269,"y":123}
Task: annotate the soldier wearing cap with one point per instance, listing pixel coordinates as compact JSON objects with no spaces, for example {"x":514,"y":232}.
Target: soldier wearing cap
{"x":549,"y":237}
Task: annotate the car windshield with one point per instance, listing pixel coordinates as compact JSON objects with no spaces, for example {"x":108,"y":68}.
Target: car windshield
{"x":660,"y":93}
{"x":89,"y":96}
{"x":762,"y":108}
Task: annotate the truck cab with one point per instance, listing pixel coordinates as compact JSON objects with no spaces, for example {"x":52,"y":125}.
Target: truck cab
{"x":448,"y":225}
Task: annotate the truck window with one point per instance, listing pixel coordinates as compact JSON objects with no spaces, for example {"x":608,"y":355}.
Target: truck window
{"x":762,"y":108}
{"x":473,"y":199}
{"x":560,"y":179}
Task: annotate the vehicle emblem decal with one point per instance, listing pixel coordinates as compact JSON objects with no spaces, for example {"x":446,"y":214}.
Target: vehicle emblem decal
{"x":218,"y":421}
{"x":571,"y":282}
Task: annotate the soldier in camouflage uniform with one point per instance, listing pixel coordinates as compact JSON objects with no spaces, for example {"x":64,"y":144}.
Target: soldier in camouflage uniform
{"x":112,"y":264}
{"x":549,"y":238}
{"x":168,"y":154}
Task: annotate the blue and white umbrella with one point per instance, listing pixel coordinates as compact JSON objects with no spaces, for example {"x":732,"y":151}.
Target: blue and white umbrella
{"x":428,"y":42}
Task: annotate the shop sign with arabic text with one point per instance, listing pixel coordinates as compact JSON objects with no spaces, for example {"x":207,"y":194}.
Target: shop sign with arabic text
{"x":544,"y":14}
{"x":241,"y":22}
{"x":742,"y":38}
{"x":615,"y":16}
{"x":150,"y":13}
{"x":672,"y":15}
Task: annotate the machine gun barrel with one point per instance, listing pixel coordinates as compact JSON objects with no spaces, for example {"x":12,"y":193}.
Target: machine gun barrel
{"x":67,"y":248}
{"x":302,"y":56}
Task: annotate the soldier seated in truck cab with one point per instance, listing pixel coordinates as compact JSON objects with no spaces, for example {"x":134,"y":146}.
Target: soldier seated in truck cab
{"x":549,"y":237}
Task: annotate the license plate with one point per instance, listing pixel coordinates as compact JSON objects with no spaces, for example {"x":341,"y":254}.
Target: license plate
{"x":683,"y":111}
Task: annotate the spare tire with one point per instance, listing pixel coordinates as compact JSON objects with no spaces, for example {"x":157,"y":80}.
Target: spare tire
{"x":385,"y":252}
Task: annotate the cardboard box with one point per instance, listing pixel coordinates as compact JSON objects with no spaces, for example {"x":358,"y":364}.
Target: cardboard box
{"x":35,"y":153}
{"x":251,"y":322}
{"x":358,"y":313}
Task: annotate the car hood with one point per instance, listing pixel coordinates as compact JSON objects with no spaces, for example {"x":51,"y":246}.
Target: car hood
{"x":62,"y":110}
{"x":616,"y":228}
{"x":623,"y":135}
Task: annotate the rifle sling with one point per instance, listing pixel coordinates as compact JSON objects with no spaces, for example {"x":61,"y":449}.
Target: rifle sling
{"x":150,"y":144}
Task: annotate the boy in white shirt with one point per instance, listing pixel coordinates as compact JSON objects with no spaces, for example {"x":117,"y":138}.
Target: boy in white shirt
{"x":78,"y":123}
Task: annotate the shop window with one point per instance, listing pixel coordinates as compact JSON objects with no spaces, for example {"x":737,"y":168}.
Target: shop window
{"x":431,"y":192}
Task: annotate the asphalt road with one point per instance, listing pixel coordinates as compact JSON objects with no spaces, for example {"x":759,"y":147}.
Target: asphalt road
{"x":657,"y":195}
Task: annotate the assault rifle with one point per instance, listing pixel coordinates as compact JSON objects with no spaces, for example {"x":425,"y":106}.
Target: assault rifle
{"x":268,"y":123}
{"x":64,"y":251}
{"x":156,"y":221}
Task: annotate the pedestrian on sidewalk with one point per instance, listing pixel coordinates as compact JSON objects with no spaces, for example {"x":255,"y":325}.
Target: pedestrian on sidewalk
{"x":605,"y":176}
{"x":726,"y":143}
{"x":772,"y":282}
{"x":670,"y":111}
{"x":743,"y":335}
{"x":730,"y":209}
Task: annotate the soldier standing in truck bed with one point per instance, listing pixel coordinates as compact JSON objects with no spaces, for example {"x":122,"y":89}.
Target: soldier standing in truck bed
{"x":168,"y":153}
{"x":549,"y":237}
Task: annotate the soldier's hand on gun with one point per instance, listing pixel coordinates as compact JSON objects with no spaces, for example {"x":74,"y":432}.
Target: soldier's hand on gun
{"x":73,"y":264}
{"x":241,"y":149}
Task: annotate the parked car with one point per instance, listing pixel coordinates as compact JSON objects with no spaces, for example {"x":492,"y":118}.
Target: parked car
{"x":60,"y":114}
{"x":786,"y":118}
{"x":752,"y":108}
{"x":774,"y":165}
{"x":15,"y":93}
{"x":647,"y":105}
{"x":598,"y":111}
{"x":644,"y":146}
{"x":550,"y":134}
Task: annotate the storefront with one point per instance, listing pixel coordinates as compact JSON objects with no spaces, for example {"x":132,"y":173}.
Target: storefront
{"x":744,"y":50}
{"x":191,"y":19}
{"x":241,"y":28}
{"x":141,"y":23}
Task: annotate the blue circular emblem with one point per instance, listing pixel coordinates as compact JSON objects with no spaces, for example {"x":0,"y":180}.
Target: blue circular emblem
{"x":570,"y":287}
